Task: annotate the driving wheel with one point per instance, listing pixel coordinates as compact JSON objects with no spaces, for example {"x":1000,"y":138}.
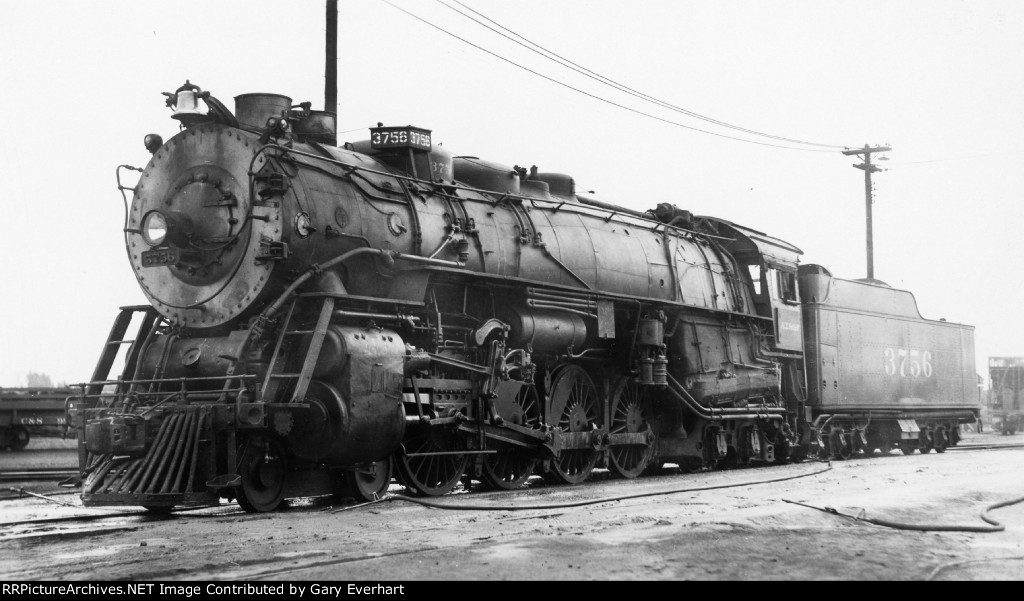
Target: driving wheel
{"x":582,"y":413}
{"x":629,"y":416}
{"x":510,"y":468}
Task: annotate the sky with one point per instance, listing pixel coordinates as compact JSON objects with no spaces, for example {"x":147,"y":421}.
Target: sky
{"x":941,"y":82}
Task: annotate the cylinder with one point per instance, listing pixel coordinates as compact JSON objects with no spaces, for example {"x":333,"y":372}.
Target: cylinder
{"x":341,"y":342}
{"x":253,"y":110}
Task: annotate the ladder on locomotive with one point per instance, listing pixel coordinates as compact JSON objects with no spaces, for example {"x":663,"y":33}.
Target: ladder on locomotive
{"x":116,"y":339}
{"x":275,"y":374}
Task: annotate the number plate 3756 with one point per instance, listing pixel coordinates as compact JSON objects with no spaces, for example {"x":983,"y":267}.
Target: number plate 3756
{"x":162,"y":256}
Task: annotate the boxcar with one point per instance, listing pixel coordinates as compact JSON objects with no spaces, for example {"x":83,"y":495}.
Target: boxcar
{"x":28,"y":411}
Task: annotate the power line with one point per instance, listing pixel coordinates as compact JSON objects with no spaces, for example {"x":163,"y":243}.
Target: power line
{"x":594,"y":96}
{"x":553,"y":56}
{"x":900,"y":164}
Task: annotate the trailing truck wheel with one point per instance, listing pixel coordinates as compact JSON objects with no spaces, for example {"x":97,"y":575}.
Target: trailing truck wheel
{"x":371,"y":482}
{"x":18,"y":438}
{"x":575,"y":391}
{"x":262,"y":469}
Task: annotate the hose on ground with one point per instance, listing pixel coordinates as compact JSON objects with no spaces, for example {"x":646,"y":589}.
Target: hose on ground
{"x":995,"y":527}
{"x":465,"y":507}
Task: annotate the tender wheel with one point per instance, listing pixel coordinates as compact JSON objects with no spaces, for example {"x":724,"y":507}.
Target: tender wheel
{"x":629,"y":416}
{"x":582,"y":413}
{"x":430,"y":475}
{"x":908,"y":447}
{"x":925,"y":444}
{"x":369,"y":483}
{"x":841,"y":445}
{"x":940,"y":440}
{"x":510,"y":469}
{"x":18,"y":438}
{"x":262,"y":469}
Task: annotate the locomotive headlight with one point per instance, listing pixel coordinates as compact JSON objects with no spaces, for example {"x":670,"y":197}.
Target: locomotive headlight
{"x":154,"y":228}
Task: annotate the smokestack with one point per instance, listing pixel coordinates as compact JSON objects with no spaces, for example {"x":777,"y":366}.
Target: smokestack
{"x":331,"y":59}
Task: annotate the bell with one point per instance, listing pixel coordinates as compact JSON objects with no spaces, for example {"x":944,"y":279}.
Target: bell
{"x":186,"y":108}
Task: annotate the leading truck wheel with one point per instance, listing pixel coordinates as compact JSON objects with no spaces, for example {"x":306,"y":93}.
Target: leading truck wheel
{"x":262,"y":469}
{"x":19,"y":438}
{"x":370,"y":483}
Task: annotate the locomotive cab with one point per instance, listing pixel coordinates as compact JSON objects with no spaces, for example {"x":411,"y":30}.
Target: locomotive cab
{"x":771,"y":267}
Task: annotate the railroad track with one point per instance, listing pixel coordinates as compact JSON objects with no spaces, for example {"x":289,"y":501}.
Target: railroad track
{"x":985,"y":447}
{"x":41,"y":474}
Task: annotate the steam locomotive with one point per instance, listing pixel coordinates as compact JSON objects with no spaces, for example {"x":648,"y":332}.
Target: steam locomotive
{"x":323,"y":318}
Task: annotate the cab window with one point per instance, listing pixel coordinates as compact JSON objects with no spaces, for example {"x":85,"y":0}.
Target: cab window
{"x":787,"y":286}
{"x":755,"y":278}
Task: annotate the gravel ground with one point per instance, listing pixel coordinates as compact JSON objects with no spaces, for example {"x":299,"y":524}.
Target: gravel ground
{"x":747,"y":531}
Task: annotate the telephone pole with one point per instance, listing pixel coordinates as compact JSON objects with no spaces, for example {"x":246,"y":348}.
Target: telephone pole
{"x":868,"y":169}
